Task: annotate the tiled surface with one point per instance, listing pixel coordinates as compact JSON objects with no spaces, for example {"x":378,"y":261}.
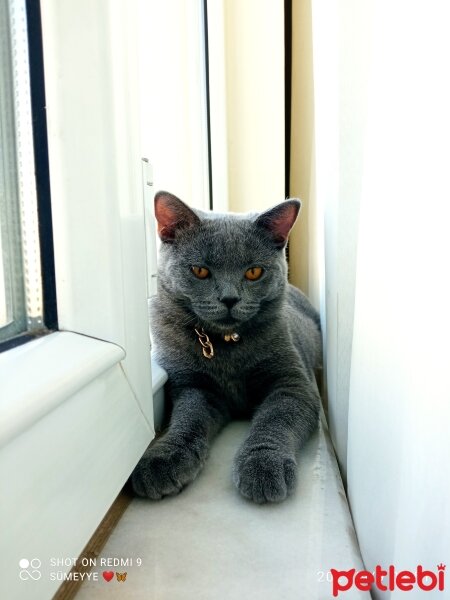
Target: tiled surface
{"x":208,"y":543}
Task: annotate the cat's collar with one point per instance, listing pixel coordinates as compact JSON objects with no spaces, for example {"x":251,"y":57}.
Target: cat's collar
{"x":208,"y":349}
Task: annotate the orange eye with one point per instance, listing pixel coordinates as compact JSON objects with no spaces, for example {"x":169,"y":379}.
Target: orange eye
{"x":200,"y":272}
{"x":253,"y":274}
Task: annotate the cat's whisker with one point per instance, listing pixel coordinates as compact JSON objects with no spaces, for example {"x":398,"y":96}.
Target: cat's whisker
{"x":189,"y":320}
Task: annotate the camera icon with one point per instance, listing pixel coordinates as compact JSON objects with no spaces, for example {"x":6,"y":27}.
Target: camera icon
{"x":29,"y":569}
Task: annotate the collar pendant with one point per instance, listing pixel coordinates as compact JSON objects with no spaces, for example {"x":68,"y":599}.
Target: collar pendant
{"x":208,"y":349}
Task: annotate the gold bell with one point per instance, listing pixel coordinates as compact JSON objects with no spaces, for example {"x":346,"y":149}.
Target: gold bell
{"x":228,"y":337}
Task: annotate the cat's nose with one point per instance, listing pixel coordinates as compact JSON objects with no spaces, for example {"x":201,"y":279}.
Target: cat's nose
{"x":229,"y":301}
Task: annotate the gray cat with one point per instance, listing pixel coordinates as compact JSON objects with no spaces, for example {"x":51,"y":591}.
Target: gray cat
{"x":237,"y":341}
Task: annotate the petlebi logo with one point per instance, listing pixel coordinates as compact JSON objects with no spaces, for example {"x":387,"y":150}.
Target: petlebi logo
{"x":388,"y":579}
{"x":29,"y":569}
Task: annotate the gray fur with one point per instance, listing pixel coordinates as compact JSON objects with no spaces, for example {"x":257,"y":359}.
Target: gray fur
{"x":268,"y":375}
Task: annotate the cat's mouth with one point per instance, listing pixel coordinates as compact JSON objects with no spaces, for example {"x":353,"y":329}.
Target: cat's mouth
{"x":223,"y":321}
{"x":224,"y":325}
{"x":229,"y":320}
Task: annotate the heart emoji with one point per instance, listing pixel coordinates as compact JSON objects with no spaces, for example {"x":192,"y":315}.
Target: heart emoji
{"x":108,"y":575}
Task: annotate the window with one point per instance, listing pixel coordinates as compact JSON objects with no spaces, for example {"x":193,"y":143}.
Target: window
{"x":21,"y":303}
{"x":79,"y":400}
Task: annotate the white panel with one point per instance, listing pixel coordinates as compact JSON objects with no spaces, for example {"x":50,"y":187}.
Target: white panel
{"x":399,"y":437}
{"x":66,"y":472}
{"x":172,"y":78}
{"x":93,"y":109}
{"x":80,"y":117}
{"x":150,"y":228}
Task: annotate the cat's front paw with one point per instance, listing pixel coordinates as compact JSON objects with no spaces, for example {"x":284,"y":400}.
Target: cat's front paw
{"x":264,"y":474}
{"x":164,"y":470}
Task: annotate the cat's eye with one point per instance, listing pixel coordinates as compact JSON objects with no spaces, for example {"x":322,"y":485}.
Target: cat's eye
{"x":254,"y":273}
{"x":200,"y":272}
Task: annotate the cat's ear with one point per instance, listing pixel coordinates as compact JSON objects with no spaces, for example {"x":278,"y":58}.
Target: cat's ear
{"x":172,"y":216}
{"x":279,"y":220}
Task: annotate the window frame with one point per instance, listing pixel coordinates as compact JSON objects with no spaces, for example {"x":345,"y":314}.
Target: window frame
{"x":85,"y":423}
{"x":17,"y":333}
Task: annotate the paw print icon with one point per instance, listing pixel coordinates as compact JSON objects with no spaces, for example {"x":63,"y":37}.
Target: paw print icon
{"x":29,"y":569}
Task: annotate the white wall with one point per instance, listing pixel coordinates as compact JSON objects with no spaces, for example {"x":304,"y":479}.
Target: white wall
{"x":399,"y":433}
{"x":341,"y":63}
{"x":254,"y":39}
{"x":382,"y":126}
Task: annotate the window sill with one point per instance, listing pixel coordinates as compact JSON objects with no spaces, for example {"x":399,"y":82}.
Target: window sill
{"x":72,"y":430}
{"x":40,"y":375}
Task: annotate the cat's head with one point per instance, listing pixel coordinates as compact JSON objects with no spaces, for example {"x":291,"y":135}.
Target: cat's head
{"x":225,"y":270}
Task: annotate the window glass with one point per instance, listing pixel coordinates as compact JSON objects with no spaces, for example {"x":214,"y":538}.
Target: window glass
{"x":20,"y":270}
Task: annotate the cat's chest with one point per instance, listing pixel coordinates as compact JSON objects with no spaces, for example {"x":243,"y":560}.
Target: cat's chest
{"x":231,"y":370}
{"x":228,"y":372}
{"x":227,"y":362}
{"x":227,"y":359}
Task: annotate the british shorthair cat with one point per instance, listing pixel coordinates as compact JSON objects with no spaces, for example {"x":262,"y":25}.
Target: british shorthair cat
{"x":238,"y":341}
